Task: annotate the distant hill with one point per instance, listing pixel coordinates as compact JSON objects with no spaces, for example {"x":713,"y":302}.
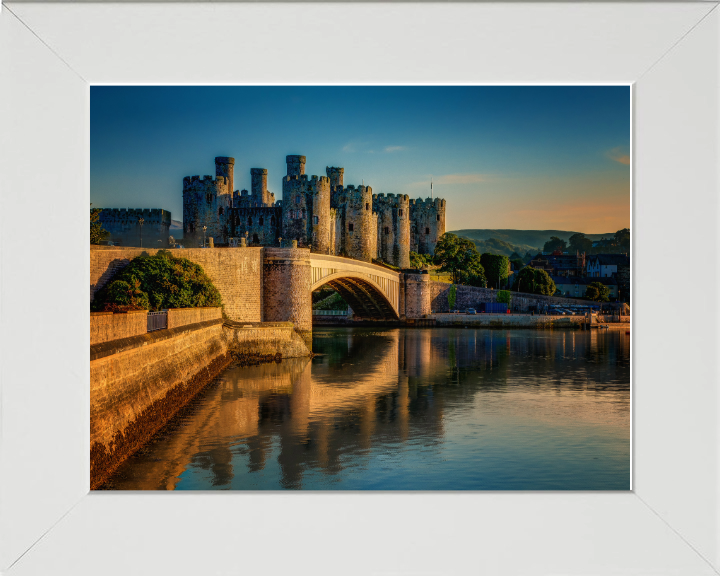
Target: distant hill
{"x":520,"y":241}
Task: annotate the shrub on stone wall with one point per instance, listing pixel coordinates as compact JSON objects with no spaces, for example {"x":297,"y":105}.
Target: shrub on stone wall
{"x":156,"y":283}
{"x":504,"y":297}
{"x":452,"y":296}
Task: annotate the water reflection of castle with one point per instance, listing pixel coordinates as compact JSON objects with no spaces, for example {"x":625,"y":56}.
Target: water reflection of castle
{"x":369,"y":390}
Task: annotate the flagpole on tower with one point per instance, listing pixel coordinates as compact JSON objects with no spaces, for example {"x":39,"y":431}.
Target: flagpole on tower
{"x":431,"y":188}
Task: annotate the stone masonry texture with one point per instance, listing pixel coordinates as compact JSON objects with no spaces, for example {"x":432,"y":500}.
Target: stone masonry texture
{"x":236,"y":272}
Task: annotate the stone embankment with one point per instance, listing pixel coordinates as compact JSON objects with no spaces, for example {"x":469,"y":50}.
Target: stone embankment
{"x":139,"y":382}
{"x":508,"y":320}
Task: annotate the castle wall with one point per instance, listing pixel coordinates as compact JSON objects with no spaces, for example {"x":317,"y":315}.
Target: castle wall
{"x":225,"y":166}
{"x":317,"y":212}
{"x":336,"y":176}
{"x":393,"y":234}
{"x":427,"y":225}
{"x":295,"y":209}
{"x":262,"y":225}
{"x":236,"y":273}
{"x":320,"y":218}
{"x":205,"y":203}
{"x":359,"y":230}
{"x":124,"y":226}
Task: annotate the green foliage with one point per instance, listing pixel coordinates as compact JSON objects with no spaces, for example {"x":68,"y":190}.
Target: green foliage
{"x":578,"y":242}
{"x":504,"y":297}
{"x":332,"y":302}
{"x":554,"y":243}
{"x":452,"y":295}
{"x":97,"y":232}
{"x":515,"y":256}
{"x":158,"y":282}
{"x":597,"y":291}
{"x":459,"y":257}
{"x":534,"y":281}
{"x":622,"y":238}
{"x":519,"y":264}
{"x":497,"y":269}
{"x":420,"y":260}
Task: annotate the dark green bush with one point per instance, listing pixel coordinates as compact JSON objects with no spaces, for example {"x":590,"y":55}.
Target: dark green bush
{"x":158,"y":282}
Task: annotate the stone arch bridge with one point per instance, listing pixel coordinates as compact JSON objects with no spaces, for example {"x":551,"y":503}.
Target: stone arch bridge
{"x":264,"y":284}
{"x":372,"y":291}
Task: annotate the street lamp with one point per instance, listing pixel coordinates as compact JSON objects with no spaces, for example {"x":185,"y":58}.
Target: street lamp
{"x":141,"y":222}
{"x":204,"y":229}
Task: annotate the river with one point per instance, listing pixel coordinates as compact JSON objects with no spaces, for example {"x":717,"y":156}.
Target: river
{"x":407,"y":409}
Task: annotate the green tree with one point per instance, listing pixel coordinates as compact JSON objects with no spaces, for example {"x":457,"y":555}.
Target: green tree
{"x":578,"y":242}
{"x":597,"y":291}
{"x":504,"y":297}
{"x":97,"y":232}
{"x":622,"y":238}
{"x":554,"y":243}
{"x":158,"y":282}
{"x":519,"y":264}
{"x":534,"y":281}
{"x":452,"y":295}
{"x":497,"y":268}
{"x":459,"y":257}
{"x":420,"y":260}
{"x":515,"y":256}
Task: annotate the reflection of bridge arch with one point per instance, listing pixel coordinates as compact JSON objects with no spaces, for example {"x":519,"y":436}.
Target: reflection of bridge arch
{"x":371,"y":291}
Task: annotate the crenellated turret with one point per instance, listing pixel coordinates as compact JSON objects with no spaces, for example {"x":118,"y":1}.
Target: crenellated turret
{"x":427,"y":224}
{"x":393,"y":228}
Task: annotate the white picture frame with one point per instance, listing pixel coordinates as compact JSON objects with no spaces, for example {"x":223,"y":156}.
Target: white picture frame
{"x":49,"y":522}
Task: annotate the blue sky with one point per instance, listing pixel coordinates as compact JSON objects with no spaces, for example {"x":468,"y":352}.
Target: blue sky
{"x":541,"y":157}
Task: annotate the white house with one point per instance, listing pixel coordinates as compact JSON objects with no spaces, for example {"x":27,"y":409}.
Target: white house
{"x":605,"y":265}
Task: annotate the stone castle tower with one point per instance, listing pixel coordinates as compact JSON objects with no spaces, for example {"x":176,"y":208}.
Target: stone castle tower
{"x":319,"y":212}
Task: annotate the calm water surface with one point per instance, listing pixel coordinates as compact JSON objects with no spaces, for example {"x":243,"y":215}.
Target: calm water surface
{"x":407,"y":409}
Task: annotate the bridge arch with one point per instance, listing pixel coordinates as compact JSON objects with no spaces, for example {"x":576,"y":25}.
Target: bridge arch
{"x":362,"y":294}
{"x":372,"y":291}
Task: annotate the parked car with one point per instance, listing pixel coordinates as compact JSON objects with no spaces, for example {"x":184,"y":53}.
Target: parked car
{"x":471,"y":311}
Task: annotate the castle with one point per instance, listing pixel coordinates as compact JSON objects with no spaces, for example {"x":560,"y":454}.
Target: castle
{"x":320,"y":213}
{"x":124,"y":226}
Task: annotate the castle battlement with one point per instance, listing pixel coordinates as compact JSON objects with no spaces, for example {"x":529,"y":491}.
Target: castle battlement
{"x":317,"y":211}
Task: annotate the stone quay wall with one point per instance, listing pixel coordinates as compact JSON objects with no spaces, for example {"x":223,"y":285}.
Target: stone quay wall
{"x":264,"y":339}
{"x":236,"y":272}
{"x":472,"y":297}
{"x":137,"y":384}
{"x":107,"y":326}
{"x":508,"y":320}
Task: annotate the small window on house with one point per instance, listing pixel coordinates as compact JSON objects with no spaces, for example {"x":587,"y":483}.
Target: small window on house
{"x":438,"y":217}
{"x":427,"y":230}
{"x":367,"y":206}
{"x":387,"y":230}
{"x":250,"y":221}
{"x":303,"y":212}
{"x":400,"y":212}
{"x":350,"y":227}
{"x":262,"y":221}
{"x":220,"y":211}
{"x":297,"y":199}
{"x":256,"y":240}
{"x":316,"y":220}
{"x":272,"y":220}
